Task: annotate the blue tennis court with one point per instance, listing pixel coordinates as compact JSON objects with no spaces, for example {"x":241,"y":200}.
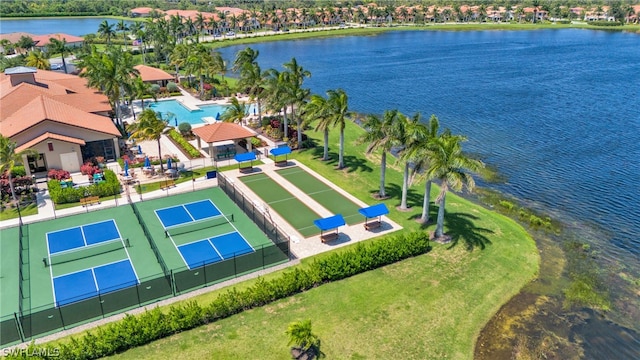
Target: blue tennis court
{"x":80,"y":236}
{"x":186,"y":213}
{"x":208,"y":251}
{"x":91,"y":282}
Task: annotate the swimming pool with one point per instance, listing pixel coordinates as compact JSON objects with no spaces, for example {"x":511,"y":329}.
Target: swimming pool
{"x":182,"y":114}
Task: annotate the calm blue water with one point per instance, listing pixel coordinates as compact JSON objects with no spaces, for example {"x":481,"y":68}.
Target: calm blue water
{"x":182,"y":114}
{"x":71,"y":26}
{"x":555,"y":111}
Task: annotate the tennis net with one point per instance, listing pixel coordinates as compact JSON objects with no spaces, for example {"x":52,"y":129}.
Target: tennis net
{"x":198,"y":225}
{"x":85,"y":252}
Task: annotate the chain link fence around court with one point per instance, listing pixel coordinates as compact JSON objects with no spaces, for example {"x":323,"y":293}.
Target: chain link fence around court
{"x":28,"y":324}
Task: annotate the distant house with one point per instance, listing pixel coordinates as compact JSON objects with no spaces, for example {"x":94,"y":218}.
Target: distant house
{"x":153,"y":75}
{"x":141,"y":12}
{"x":42,"y":41}
{"x":57,"y":115}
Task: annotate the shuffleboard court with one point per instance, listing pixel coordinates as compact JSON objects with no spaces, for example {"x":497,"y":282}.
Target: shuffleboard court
{"x":292,"y":209}
{"x":326,"y":196}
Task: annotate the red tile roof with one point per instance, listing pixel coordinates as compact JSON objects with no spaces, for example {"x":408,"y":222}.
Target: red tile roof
{"x":149,"y":73}
{"x":47,"y":136}
{"x":43,"y":108}
{"x":44,"y":40}
{"x":222,"y":131}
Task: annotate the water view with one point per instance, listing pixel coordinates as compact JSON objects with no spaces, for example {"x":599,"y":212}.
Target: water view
{"x":554,"y":111}
{"x":177,"y":113}
{"x":40,"y":26}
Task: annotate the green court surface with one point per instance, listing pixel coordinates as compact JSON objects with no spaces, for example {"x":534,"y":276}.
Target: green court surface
{"x":41,"y":289}
{"x":326,"y":196}
{"x":294,"y":211}
{"x":168,"y":250}
{"x":9,"y":276}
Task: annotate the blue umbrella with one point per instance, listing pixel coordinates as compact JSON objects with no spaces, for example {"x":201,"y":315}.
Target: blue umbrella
{"x":169,"y":164}
{"x":176,"y":121}
{"x":139,"y":149}
{"x":147,"y":162}
{"x":218,"y":116}
{"x":126,"y":168}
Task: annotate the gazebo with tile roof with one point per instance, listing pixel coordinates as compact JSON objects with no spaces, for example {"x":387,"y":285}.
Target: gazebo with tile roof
{"x":222,"y":131}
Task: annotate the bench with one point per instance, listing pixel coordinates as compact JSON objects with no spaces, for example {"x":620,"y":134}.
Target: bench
{"x":372,"y":225}
{"x":282,"y":162}
{"x":246,"y":169}
{"x":165,"y":184}
{"x":89,"y":200}
{"x":329,"y":237}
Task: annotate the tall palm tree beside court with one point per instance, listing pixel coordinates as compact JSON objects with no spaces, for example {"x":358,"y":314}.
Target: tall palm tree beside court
{"x":297,"y":95}
{"x":148,"y":127}
{"x":315,"y":110}
{"x":276,"y":86}
{"x":38,"y":60}
{"x":451,"y":167}
{"x":420,"y":156}
{"x":337,"y":111}
{"x":379,"y":135}
{"x":9,"y":158}
{"x":408,"y":133}
{"x":253,"y":80}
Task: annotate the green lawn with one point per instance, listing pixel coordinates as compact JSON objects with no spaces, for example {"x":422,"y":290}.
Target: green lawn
{"x":430,"y":306}
{"x":12,"y":213}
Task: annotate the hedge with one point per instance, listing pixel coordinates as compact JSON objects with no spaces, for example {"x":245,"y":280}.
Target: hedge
{"x":153,"y":324}
{"x":109,"y":187}
{"x":184,"y":144}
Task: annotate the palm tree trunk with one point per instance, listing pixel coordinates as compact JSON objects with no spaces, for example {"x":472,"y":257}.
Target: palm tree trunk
{"x":259,"y":111}
{"x":325,"y":156}
{"x":383,"y":175}
{"x":13,"y":190}
{"x":160,"y":156}
{"x":201,"y":86}
{"x":405,"y":186}
{"x":299,"y":121}
{"x":440,"y":224}
{"x":286,"y":123}
{"x":341,"y":156}
{"x":64,"y":63}
{"x":425,"y":202}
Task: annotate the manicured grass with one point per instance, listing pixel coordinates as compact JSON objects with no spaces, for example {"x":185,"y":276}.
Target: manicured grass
{"x":323,"y":194}
{"x":294,"y":211}
{"x":187,"y":175}
{"x":430,"y":306}
{"x":12,"y":213}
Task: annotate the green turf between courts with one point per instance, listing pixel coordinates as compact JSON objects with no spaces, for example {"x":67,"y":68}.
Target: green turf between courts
{"x":294,"y":211}
{"x":326,"y":196}
{"x":9,"y":276}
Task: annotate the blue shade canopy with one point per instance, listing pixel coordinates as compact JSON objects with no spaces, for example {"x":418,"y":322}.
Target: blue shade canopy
{"x":329,"y":223}
{"x":280,"y":151}
{"x":374,"y":210}
{"x":245,"y":157}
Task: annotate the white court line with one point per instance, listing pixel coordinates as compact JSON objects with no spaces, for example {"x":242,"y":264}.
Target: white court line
{"x":180,"y":253}
{"x":321,"y":191}
{"x":215,"y":249}
{"x":53,"y":287}
{"x":95,"y":280}
{"x":188,"y":213}
{"x":84,"y":238}
{"x":236,"y":229}
{"x":254,"y":180}
{"x":281,"y":200}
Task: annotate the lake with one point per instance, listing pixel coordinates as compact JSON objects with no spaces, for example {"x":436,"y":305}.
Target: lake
{"x":555,"y":111}
{"x":41,"y":26}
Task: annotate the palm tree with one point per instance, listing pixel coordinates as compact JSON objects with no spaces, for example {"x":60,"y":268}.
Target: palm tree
{"x":315,"y":110}
{"x":139,"y":89}
{"x":106,"y":31}
{"x":408,"y":133}
{"x":244,"y":58}
{"x":253,"y":80}
{"x":199,"y":63}
{"x":111,"y":71}
{"x":148,"y":127}
{"x":59,"y":46}
{"x":451,"y":167}
{"x":337,"y":112}
{"x":8,"y":160}
{"x":297,"y":95}
{"x":38,"y":59}
{"x":276,"y":85}
{"x":121,"y":26}
{"x":304,"y":339}
{"x":235,"y":112}
{"x":379,"y":135}
{"x":420,"y":157}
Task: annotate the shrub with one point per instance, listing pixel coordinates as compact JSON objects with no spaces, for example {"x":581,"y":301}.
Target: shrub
{"x":18,"y":171}
{"x":89,"y":168}
{"x":155,"y":88}
{"x":184,"y":128}
{"x":605,"y":23}
{"x":184,"y":144}
{"x":58,"y":174}
{"x":154,"y":324}
{"x":172,"y":87}
{"x":109,"y":187}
